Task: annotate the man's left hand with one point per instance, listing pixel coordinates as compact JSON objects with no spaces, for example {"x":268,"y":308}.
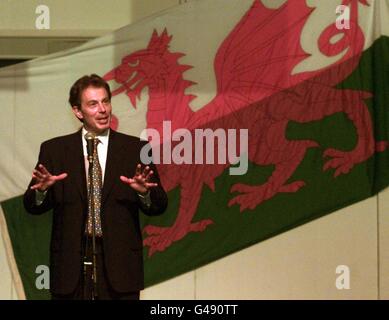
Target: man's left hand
{"x":140,"y":181}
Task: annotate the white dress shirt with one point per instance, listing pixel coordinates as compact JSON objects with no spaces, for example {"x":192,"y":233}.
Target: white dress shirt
{"x":102,"y":150}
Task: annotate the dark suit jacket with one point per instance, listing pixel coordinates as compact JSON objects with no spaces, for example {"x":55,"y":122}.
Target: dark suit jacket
{"x":119,"y":215}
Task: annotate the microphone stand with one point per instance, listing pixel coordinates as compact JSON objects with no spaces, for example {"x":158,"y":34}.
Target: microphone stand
{"x":91,"y":196}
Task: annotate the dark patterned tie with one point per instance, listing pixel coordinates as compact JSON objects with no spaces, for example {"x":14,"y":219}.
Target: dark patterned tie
{"x":97,"y":187}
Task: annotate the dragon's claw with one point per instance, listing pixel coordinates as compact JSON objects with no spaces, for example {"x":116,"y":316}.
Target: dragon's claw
{"x":160,"y":238}
{"x":341,"y":161}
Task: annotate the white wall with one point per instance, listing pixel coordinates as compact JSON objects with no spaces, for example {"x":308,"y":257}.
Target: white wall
{"x":71,"y":23}
{"x":5,"y":273}
{"x":84,"y":18}
{"x":383,"y":244}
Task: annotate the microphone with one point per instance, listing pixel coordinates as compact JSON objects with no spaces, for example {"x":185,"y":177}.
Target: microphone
{"x":89,"y":137}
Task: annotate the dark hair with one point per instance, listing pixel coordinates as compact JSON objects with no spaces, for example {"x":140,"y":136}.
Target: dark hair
{"x":84,"y":82}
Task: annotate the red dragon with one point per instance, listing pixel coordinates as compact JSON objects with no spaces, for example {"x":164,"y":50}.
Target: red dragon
{"x":257,"y":90}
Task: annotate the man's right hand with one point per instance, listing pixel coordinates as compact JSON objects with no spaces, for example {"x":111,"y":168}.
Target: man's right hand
{"x":44,"y":179}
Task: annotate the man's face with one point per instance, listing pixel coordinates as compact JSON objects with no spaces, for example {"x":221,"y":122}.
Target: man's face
{"x":95,"y":111}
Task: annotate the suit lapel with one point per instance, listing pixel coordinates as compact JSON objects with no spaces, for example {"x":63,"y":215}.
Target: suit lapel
{"x":111,"y":168}
{"x":76,"y":163}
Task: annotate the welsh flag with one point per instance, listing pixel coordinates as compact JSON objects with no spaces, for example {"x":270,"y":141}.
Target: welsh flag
{"x":290,"y":99}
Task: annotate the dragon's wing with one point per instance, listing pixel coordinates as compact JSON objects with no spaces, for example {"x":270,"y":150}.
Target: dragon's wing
{"x":257,"y":58}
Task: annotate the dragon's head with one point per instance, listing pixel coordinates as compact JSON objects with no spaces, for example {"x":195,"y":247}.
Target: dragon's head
{"x":142,"y":68}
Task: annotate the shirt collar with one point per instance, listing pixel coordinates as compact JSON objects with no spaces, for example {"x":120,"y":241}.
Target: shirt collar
{"x":103,"y":138}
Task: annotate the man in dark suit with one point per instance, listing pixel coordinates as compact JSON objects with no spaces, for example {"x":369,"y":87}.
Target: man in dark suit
{"x":60,"y":183}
